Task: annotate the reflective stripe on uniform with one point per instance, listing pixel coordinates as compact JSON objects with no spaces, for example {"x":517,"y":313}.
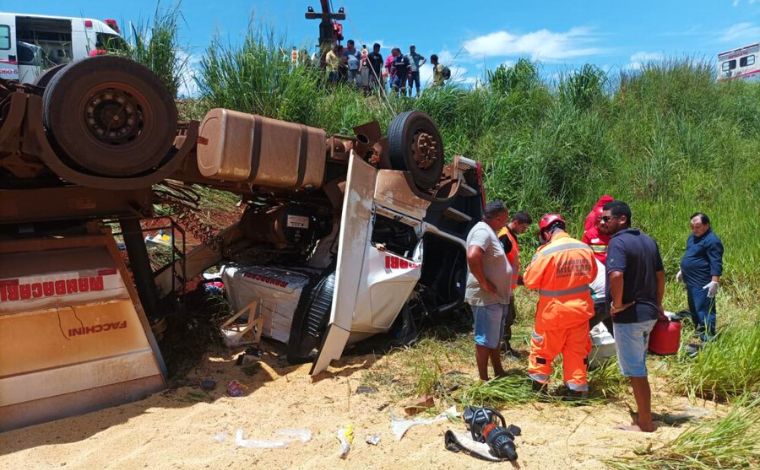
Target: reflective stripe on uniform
{"x":559,"y":293}
{"x":577,"y":387}
{"x":562,"y":247}
{"x":599,"y":248}
{"x":542,"y":378}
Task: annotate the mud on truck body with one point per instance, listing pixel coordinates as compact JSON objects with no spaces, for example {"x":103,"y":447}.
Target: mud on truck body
{"x":373,"y":225}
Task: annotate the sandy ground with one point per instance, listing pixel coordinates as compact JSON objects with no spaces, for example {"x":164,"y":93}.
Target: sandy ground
{"x":174,"y":430}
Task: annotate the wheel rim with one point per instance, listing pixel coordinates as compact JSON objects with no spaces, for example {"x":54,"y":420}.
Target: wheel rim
{"x":424,"y":150}
{"x":115,"y":116}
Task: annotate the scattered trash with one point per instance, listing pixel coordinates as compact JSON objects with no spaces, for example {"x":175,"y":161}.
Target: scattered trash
{"x":372,"y":439}
{"x":299,"y":434}
{"x":251,"y":355}
{"x":383,"y":406}
{"x":365,"y":389}
{"x":401,"y":426}
{"x":208,"y":384}
{"x":259,"y":443}
{"x":214,"y":287}
{"x":235,"y":389}
{"x":420,"y":404}
{"x":220,"y":436}
{"x":346,"y":438}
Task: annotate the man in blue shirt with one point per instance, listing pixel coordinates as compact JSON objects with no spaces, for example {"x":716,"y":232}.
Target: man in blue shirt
{"x":635,"y":287}
{"x":701,"y":268}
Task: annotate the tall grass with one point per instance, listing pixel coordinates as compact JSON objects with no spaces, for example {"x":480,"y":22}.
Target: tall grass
{"x":727,"y":367}
{"x":155,"y":44}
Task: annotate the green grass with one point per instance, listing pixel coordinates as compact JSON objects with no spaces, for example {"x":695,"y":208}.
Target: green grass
{"x":725,"y":443}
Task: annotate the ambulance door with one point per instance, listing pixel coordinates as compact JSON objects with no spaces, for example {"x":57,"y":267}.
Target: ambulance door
{"x":8,"y":57}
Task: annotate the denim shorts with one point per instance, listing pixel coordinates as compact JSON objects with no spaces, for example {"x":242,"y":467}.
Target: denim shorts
{"x":631,"y":342}
{"x":489,"y":324}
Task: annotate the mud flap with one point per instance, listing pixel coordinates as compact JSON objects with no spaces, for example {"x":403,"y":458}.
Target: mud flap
{"x":355,"y":233}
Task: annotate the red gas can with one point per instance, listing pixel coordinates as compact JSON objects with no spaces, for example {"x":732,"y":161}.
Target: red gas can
{"x":665,"y":337}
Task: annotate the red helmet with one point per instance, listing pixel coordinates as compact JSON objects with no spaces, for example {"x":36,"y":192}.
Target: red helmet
{"x":548,"y":220}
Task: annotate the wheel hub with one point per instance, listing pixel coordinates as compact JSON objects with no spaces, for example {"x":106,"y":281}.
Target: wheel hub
{"x":424,"y":150}
{"x":114,"y":116}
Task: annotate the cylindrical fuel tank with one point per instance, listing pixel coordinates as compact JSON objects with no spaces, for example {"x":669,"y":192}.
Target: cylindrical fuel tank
{"x":240,"y":147}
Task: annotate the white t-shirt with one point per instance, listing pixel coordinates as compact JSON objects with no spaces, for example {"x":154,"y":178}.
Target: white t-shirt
{"x":599,"y":285}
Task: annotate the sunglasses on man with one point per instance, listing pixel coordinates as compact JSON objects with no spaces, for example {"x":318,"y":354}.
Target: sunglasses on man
{"x":607,"y":218}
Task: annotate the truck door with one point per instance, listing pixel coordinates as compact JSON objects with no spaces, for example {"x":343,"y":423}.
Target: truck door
{"x":8,"y":59}
{"x":355,"y":233}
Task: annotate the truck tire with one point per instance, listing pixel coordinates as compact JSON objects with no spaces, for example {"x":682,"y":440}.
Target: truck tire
{"x":44,"y":79}
{"x":310,"y":321}
{"x":415,"y":145}
{"x":110,"y":116}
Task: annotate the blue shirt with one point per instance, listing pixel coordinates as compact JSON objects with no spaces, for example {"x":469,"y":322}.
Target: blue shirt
{"x":635,"y":254}
{"x":703,"y":259}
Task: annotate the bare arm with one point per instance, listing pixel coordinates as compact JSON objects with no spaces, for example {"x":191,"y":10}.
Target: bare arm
{"x":616,"y":292}
{"x":475,"y":263}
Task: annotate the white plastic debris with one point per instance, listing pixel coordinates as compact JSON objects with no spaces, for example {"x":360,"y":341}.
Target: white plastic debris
{"x":346,"y":437}
{"x":295,"y":434}
{"x":220,"y":436}
{"x":401,"y":426}
{"x":259,"y":443}
{"x":372,"y":439}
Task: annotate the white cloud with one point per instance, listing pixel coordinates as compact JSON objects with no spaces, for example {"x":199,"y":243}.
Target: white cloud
{"x":539,"y":45}
{"x":741,"y":32}
{"x":639,"y":59}
{"x":188,"y":88}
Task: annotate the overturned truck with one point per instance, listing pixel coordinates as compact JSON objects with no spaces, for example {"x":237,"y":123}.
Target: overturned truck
{"x":370,"y":228}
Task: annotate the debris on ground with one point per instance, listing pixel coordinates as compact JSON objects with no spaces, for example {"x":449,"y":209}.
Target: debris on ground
{"x":401,"y":426}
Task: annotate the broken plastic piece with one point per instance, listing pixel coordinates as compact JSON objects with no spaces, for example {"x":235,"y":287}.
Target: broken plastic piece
{"x":259,"y":443}
{"x":401,"y":426}
{"x":372,"y":439}
{"x":295,"y":434}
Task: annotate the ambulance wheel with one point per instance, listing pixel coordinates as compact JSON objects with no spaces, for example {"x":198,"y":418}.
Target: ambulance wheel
{"x":415,"y":145}
{"x":310,"y":321}
{"x":43,"y":80}
{"x":110,"y":116}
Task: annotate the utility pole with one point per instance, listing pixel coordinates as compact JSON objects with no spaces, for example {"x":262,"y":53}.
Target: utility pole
{"x":330,"y":31}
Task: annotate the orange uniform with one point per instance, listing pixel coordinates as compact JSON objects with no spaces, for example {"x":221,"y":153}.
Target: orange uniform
{"x":513,"y":255}
{"x":561,"y":270}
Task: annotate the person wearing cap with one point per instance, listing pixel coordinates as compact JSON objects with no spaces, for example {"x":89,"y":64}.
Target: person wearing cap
{"x":561,"y":271}
{"x":591,"y":235}
{"x":488,"y":286}
{"x":518,"y":224}
{"x":701,"y":268}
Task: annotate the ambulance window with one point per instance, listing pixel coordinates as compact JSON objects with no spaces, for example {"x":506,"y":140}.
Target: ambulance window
{"x":110,"y":42}
{"x":745,"y":61}
{"x":5,"y":37}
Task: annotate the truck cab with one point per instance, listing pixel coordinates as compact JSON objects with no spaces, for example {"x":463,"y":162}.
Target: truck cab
{"x":741,"y":63}
{"x":31,"y":44}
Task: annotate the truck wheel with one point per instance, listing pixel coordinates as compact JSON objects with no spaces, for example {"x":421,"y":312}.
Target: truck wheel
{"x":44,"y":79}
{"x":310,"y":321}
{"x":415,"y":145}
{"x":111,"y":116}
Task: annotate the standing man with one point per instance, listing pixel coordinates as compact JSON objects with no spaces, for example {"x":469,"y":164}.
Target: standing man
{"x":488,"y":286}
{"x":352,"y":59}
{"x":591,"y":235}
{"x":332,"y":64}
{"x":376,"y":66}
{"x":518,"y":224}
{"x":439,"y":72}
{"x":701,"y":268}
{"x":400,"y":71}
{"x":635,"y":286}
{"x":561,"y":270}
{"x":415,"y":62}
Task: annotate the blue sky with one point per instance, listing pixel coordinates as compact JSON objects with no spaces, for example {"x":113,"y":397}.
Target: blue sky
{"x":469,"y":36}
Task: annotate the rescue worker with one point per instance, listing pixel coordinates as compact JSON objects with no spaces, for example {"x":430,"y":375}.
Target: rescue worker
{"x":597,"y":240}
{"x":518,"y":224}
{"x":561,"y":270}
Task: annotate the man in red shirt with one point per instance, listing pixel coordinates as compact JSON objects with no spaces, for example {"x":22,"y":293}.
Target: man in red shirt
{"x":592,"y":237}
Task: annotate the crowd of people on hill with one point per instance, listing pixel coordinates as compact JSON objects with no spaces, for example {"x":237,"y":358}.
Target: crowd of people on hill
{"x":368,"y":70}
{"x":613,"y":275}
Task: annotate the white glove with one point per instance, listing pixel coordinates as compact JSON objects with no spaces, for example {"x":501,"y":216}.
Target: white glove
{"x":712,"y":289}
{"x":679,"y":276}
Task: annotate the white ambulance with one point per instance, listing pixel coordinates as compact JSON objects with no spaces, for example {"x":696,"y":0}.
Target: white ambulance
{"x":741,"y":63}
{"x":31,"y":44}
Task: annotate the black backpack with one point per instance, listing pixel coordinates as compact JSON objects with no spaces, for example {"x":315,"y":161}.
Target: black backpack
{"x":446,"y":73}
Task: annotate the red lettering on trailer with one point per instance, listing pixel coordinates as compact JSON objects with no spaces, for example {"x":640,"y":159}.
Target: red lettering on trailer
{"x":99,"y":328}
{"x":266,"y":279}
{"x":11,"y":290}
{"x":394,"y":262}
